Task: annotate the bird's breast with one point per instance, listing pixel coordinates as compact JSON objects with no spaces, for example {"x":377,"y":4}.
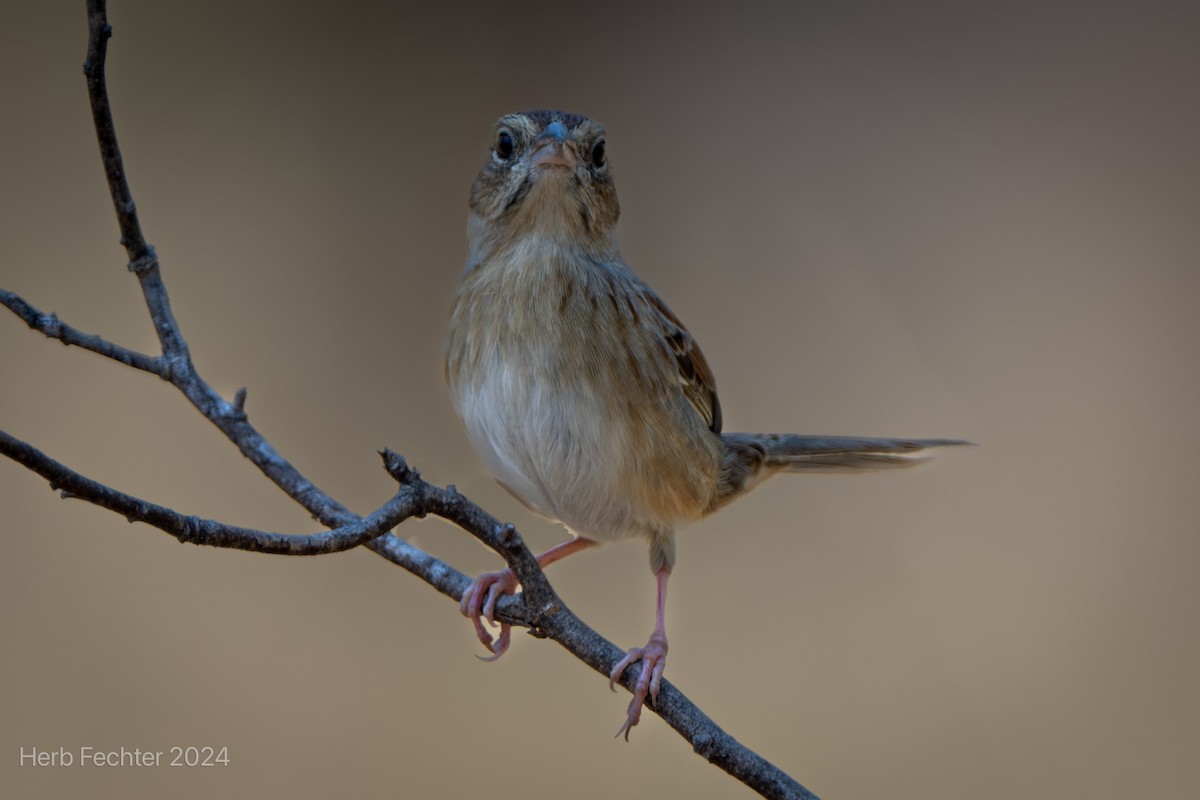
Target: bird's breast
{"x":563,"y":396}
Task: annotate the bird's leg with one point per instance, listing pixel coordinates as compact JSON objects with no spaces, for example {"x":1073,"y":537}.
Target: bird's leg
{"x":479,"y":600}
{"x":653,"y":657}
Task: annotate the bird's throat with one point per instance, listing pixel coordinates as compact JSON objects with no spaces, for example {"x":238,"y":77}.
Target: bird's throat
{"x":550,"y":224}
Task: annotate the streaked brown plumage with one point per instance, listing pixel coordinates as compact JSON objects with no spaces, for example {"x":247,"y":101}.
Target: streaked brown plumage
{"x":581,"y":390}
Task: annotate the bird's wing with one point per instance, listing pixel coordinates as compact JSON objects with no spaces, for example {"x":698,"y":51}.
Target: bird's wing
{"x":695,"y":376}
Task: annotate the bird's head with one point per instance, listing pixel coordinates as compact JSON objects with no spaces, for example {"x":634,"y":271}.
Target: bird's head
{"x":547,"y":175}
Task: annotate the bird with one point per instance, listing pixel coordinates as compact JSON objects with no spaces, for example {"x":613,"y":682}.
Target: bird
{"x":580,"y":389}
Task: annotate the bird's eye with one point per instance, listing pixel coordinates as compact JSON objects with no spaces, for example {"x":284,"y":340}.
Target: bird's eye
{"x":598,"y":153}
{"x":504,"y":144}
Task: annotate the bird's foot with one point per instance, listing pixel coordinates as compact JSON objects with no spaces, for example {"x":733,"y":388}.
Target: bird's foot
{"x":654,"y":659}
{"x":479,"y":603}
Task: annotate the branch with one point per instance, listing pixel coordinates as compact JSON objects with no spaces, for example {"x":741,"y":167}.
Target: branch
{"x":547,"y":616}
{"x":55,"y":328}
{"x":538,"y":607}
{"x":196,"y":530}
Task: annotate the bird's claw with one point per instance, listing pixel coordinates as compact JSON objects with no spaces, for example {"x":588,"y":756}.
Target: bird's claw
{"x":654,"y":659}
{"x":478,"y":603}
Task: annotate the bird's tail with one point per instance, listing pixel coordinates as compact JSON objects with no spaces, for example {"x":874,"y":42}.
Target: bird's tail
{"x":791,"y":453}
{"x":750,"y":458}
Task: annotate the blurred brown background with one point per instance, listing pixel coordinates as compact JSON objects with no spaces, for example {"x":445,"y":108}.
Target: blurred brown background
{"x":920,"y":219}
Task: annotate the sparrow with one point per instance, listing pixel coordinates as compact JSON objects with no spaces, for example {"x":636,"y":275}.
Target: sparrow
{"x":581,"y":390}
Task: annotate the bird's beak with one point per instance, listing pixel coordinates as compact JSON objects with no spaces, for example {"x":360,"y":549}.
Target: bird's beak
{"x":550,"y":148}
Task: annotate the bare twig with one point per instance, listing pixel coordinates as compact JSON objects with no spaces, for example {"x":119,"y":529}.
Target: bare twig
{"x":55,"y":328}
{"x":547,"y":616}
{"x":538,"y":607}
{"x":196,"y":530}
{"x":230,"y":418}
